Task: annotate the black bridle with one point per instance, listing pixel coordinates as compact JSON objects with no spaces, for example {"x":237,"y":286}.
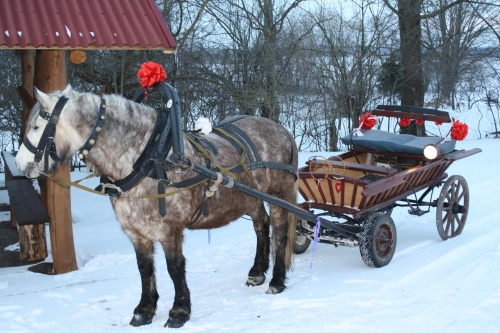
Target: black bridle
{"x":47,"y":144}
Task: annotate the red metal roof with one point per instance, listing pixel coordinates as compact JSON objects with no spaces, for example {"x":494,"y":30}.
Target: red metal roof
{"x":93,"y":24}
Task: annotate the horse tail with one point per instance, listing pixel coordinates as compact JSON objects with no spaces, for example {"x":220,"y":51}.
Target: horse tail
{"x":292,"y":230}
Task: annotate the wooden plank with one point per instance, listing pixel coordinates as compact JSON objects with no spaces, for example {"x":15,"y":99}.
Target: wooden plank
{"x":25,"y":202}
{"x":9,"y":159}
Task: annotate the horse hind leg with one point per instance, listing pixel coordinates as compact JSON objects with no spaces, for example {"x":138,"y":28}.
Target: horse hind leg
{"x":284,"y":227}
{"x":145,"y":311}
{"x":260,"y":219}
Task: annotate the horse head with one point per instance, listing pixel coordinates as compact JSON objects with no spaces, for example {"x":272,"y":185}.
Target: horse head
{"x":49,"y":139}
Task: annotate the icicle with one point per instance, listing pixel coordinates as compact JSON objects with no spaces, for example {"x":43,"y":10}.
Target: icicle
{"x":209,"y":236}
{"x":315,"y":241}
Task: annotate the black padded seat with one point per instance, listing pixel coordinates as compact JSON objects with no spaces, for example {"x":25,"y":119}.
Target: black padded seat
{"x":398,"y":143}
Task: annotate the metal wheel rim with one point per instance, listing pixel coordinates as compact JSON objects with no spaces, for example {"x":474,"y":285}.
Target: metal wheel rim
{"x":452,"y":207}
{"x":383,"y":241}
{"x":300,"y":240}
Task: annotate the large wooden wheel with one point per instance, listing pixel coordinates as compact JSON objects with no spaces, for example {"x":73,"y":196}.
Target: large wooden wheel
{"x":452,"y":207}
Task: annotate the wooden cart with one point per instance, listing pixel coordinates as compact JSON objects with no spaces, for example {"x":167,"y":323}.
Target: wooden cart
{"x":349,"y":198}
{"x":358,"y":189}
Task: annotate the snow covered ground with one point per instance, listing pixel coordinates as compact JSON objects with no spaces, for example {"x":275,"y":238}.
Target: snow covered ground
{"x":430,"y":286}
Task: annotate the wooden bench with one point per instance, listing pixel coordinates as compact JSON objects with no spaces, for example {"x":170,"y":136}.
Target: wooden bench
{"x":27,"y":212}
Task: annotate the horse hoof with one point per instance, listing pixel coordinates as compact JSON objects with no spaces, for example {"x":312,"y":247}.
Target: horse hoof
{"x":140,"y":320}
{"x":274,"y":290}
{"x":177,"y":322}
{"x":256,"y":280}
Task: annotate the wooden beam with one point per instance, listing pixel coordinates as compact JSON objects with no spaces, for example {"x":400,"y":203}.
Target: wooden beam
{"x":26,"y":90}
{"x":50,"y":75}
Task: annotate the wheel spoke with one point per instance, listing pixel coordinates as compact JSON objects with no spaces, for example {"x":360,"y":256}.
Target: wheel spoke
{"x":453,"y":191}
{"x":457,"y":190}
{"x":460,"y":197}
{"x":447,"y":221}
{"x":445,"y":218}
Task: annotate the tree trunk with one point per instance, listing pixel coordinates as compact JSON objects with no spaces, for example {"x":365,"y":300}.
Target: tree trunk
{"x":50,"y":75}
{"x":270,"y":108}
{"x":412,"y":93}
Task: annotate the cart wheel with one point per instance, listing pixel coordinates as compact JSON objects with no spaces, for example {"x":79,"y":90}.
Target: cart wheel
{"x":377,"y":241}
{"x":452,"y":207}
{"x":301,"y":241}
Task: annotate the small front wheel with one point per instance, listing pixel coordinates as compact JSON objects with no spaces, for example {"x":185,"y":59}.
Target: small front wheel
{"x":301,"y":242}
{"x":377,"y":241}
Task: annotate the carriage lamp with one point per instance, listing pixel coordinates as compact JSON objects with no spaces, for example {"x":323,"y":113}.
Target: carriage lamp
{"x":431,"y":152}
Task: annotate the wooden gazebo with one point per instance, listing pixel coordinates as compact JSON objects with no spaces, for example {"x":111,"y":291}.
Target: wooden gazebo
{"x":44,"y":31}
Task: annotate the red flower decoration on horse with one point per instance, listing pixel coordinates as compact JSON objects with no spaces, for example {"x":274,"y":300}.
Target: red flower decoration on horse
{"x":404,"y":122}
{"x":420,"y":122}
{"x":459,"y":130}
{"x":151,"y":73}
{"x":367,"y":121}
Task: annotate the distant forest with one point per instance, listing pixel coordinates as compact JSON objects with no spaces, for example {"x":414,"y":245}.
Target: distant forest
{"x":313,"y":66}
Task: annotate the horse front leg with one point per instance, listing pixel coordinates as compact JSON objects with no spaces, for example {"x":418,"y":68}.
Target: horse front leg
{"x":145,"y":311}
{"x":176,"y":264}
{"x":260,"y":220}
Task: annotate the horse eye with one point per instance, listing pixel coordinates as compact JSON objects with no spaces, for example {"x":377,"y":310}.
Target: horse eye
{"x":36,"y":127}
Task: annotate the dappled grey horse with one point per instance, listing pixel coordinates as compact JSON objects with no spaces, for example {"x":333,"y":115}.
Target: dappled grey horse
{"x":115,"y":134}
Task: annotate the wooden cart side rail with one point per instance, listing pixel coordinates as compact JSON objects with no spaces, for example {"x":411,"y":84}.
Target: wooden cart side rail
{"x":459,"y":154}
{"x":381,"y":204}
{"x":431,"y":170}
{"x":352,"y":166}
{"x":328,"y":207}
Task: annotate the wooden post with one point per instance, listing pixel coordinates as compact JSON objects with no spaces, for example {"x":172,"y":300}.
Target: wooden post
{"x":26,"y":90}
{"x":50,"y":75}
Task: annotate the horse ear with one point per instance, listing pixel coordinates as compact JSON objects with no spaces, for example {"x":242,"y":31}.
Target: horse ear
{"x":44,"y":99}
{"x":67,"y":90}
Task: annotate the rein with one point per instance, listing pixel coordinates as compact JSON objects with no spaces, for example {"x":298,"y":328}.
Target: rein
{"x":77,"y":184}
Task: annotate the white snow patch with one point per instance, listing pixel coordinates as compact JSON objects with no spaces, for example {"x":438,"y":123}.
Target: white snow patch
{"x":81,"y":35}
{"x":7,"y":33}
{"x":91,"y":33}
{"x":68,"y":31}
{"x":13,"y":247}
{"x":57,"y":33}
{"x":20,"y":33}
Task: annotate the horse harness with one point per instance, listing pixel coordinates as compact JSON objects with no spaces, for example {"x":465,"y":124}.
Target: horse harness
{"x":152,"y":162}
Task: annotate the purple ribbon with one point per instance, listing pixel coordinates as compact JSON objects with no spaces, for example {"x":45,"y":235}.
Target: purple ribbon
{"x":317,"y":228}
